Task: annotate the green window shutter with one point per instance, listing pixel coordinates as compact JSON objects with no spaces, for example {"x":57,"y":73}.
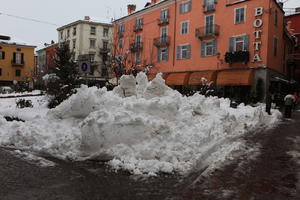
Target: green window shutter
{"x":158,"y":55}
{"x":246,"y":42}
{"x":214,"y":47}
{"x":178,"y":53}
{"x":181,"y":8}
{"x":188,"y":51}
{"x":231,"y":44}
{"x":203,"y":44}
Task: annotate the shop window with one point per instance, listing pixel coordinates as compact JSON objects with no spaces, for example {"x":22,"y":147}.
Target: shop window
{"x":185,"y":7}
{"x":208,"y":48}
{"x":162,"y":54}
{"x":183,"y":51}
{"x":239,"y":15}
{"x":18,"y":72}
{"x":184,"y":28}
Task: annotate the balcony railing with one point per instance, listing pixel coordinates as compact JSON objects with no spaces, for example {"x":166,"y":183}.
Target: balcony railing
{"x":161,"y":41}
{"x":136,"y":46}
{"x":137,"y":27}
{"x":163,"y":21}
{"x":208,"y":31}
{"x":20,"y":64}
{"x":237,"y":56}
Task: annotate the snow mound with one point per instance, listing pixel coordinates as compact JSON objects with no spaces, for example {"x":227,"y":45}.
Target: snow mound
{"x":140,"y":126}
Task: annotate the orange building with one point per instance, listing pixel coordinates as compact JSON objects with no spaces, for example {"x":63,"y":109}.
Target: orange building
{"x":237,"y":44}
{"x":17,"y":63}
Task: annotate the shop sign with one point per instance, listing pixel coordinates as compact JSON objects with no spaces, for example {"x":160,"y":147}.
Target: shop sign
{"x":258,"y":23}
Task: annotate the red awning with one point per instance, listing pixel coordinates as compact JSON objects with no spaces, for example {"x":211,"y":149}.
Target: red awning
{"x":235,"y":77}
{"x":180,"y":78}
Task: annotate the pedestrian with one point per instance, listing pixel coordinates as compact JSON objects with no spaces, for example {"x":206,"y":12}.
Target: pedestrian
{"x":288,"y":103}
{"x":268,"y":103}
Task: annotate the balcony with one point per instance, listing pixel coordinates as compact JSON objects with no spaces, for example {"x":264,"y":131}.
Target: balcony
{"x":136,"y":46}
{"x":161,"y":41}
{"x":104,"y":50}
{"x":163,"y":21}
{"x":137,"y":27}
{"x":237,"y":56}
{"x":208,"y":31}
{"x":17,"y":64}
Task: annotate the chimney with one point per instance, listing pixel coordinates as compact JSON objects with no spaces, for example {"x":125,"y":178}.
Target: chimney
{"x":131,"y":8}
{"x":298,"y":10}
{"x":87,"y":18}
{"x":153,"y":2}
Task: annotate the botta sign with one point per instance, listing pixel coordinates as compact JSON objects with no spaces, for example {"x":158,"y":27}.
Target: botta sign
{"x":258,"y":23}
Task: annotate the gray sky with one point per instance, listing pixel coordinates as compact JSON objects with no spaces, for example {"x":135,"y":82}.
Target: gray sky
{"x":60,"y":12}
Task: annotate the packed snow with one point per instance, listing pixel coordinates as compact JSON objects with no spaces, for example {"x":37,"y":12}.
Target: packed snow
{"x":141,"y":126}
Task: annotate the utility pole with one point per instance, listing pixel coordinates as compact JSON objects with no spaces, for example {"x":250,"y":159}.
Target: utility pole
{"x":3,"y":37}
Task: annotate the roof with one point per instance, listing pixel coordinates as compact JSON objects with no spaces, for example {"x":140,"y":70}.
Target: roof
{"x":84,"y":22}
{"x":16,"y":44}
{"x":162,"y":1}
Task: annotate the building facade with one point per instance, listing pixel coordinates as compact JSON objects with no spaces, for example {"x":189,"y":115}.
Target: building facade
{"x":92,"y":39}
{"x":17,"y":64}
{"x":236,"y":44}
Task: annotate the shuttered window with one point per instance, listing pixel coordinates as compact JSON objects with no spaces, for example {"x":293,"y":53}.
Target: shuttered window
{"x":162,"y":54}
{"x":239,"y":43}
{"x":209,"y":48}
{"x":183,"y":51}
{"x":185,"y":7}
{"x":184,"y":28}
{"x":164,"y":14}
{"x":18,"y":58}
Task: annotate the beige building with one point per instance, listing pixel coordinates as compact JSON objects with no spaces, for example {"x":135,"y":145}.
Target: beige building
{"x":90,"y":38}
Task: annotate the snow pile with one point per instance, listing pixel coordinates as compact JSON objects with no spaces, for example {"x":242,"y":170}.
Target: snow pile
{"x":144,"y":128}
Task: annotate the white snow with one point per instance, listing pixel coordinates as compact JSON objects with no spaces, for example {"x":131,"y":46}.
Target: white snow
{"x":145,"y":128}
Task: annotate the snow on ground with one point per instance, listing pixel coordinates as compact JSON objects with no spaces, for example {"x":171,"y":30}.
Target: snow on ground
{"x":35,"y":92}
{"x":295,"y":153}
{"x":145,"y":128}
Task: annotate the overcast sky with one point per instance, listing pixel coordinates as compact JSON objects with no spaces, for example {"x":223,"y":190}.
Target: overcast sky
{"x":54,"y":13}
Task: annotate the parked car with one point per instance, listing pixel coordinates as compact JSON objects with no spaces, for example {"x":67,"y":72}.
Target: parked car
{"x":6,"y":90}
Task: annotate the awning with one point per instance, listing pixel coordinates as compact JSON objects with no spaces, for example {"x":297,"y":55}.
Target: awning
{"x":180,"y":78}
{"x":235,"y":77}
{"x":199,"y":78}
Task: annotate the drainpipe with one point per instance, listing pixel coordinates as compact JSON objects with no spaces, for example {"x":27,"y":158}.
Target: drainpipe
{"x":175,"y":23}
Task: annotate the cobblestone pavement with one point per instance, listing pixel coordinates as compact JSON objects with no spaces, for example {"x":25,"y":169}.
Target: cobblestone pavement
{"x":271,"y":175}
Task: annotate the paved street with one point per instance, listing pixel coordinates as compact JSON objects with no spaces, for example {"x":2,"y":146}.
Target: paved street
{"x":272,"y":175}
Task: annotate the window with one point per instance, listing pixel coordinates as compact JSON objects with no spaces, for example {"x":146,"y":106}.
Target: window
{"x":138,"y":40}
{"x":209,"y":5}
{"x":120,"y":44}
{"x":184,"y":27}
{"x":121,"y":28}
{"x":18,"y":72}
{"x":0,"y":71}
{"x":74,"y":44}
{"x":61,"y":35}
{"x":92,"y":43}
{"x":139,"y":23}
{"x":18,"y":58}
{"x":275,"y":46}
{"x":74,"y":31}
{"x":105,"y":32}
{"x":105,"y":45}
{"x":183,"y":51}
{"x":209,"y":48}
{"x":239,"y":15}
{"x":138,"y":58}
{"x":239,"y":43}
{"x":2,"y":55}
{"x":209,"y":24}
{"x":68,"y":33}
{"x":276,"y":17}
{"x":185,"y":7}
{"x":164,"y":34}
{"x":164,"y":15}
{"x":93,"y":30}
{"x":162,"y":54}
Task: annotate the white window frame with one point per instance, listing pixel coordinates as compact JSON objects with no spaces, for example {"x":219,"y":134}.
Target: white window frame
{"x":245,"y":14}
{"x":235,"y":42}
{"x":165,"y":14}
{"x":187,"y":28}
{"x":161,"y":31}
{"x":182,"y":50}
{"x":161,"y":54}
{"x":185,"y":6}
{"x":206,"y":46}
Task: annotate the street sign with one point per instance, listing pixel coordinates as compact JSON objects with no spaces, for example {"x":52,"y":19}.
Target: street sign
{"x":84,"y":66}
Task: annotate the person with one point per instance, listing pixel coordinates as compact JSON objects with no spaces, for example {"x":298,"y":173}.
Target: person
{"x":268,"y":103}
{"x":288,"y":103}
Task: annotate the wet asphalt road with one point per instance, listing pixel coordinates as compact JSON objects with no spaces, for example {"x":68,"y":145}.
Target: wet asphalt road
{"x":271,"y":176}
